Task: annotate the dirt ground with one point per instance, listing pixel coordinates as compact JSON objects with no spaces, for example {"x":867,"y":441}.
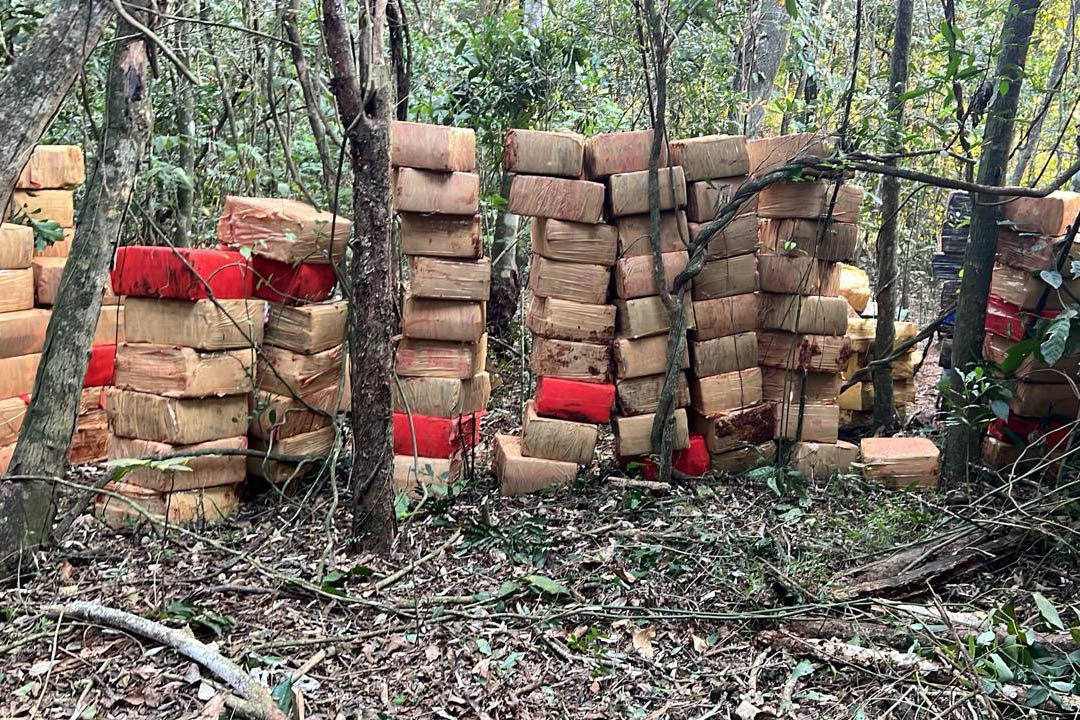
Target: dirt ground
{"x":593,"y":602}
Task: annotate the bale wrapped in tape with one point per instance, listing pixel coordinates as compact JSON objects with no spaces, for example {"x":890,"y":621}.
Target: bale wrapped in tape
{"x":1050,"y":215}
{"x":56,"y":248}
{"x":1031,"y":252}
{"x":57,"y":206}
{"x":738,"y":236}
{"x":53,"y":166}
{"x":743,"y":458}
{"x":520,"y":475}
{"x":292,"y":284}
{"x":177,"y":421}
{"x":18,"y":289}
{"x":574,"y":400}
{"x":16,"y":246}
{"x":794,"y":275}
{"x":185,"y":507}
{"x":819,"y":422}
{"x":17,"y":375}
{"x":727,"y":391}
{"x":440,"y":235}
{"x":633,"y":434}
{"x":536,"y":152}
{"x":645,"y":316}
{"x":23,"y":332}
{"x":592,"y":244}
{"x":723,"y":278}
{"x":287,"y":373}
{"x":578,"y":201}
{"x":705,"y":198}
{"x":636,"y":276}
{"x":790,"y":386}
{"x":770,"y":153}
{"x":589,"y":362}
{"x":12,"y":413}
{"x":426,"y":191}
{"x":442,"y":397}
{"x":711,"y":156}
{"x":432,"y":147}
{"x":567,"y":320}
{"x":451,"y":320}
{"x":854,"y":287}
{"x":315,"y":447}
{"x":555,"y":438}
{"x":729,"y":430}
{"x":182,"y":273}
{"x":202,"y":324}
{"x":812,"y":315}
{"x":177,"y":371}
{"x":435,"y":436}
{"x":901,"y":462}
{"x":641,"y":395}
{"x":832,"y":241}
{"x":275,"y":417}
{"x":724,"y":354}
{"x":628,"y":193}
{"x":823,"y":460}
{"x":620,"y":152}
{"x":110,"y":326}
{"x":693,"y":461}
{"x":306,"y":328}
{"x":646,"y":356}
{"x":282,"y":229}
{"x":1026,"y":290}
{"x":436,"y":358}
{"x":797,"y":351}
{"x":576,"y":282}
{"x":634,"y":232}
{"x":198,"y":471}
{"x":450,"y":279}
{"x":726,"y":316}
{"x":819,"y":200}
{"x":416,"y":476}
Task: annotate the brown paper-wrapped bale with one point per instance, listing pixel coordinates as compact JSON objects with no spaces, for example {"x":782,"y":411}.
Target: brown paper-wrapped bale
{"x":413,"y":474}
{"x":646,"y":356}
{"x":441,"y":235}
{"x":641,"y":317}
{"x":705,"y":198}
{"x":575,"y":242}
{"x":726,"y":316}
{"x":629,"y":192}
{"x":587,"y":362}
{"x":620,"y":152}
{"x":12,"y":412}
{"x":901,"y":462}
{"x":202,"y":470}
{"x":425,"y":191}
{"x":577,"y":201}
{"x":110,"y":326}
{"x":520,"y":475}
{"x":22,"y":332}
{"x":576,"y":282}
{"x":1030,"y":252}
{"x":789,"y":386}
{"x":712,"y":156}
{"x":744,"y":458}
{"x":176,"y":371}
{"x":316,"y":445}
{"x":177,"y":421}
{"x":737,"y":237}
{"x":820,"y":423}
{"x":811,"y":201}
{"x":16,"y":290}
{"x":724,"y":354}
{"x":635,"y":276}
{"x":641,"y":395}
{"x":202,"y":505}
{"x":799,"y":314}
{"x":1042,"y":399}
{"x":835,"y":241}
{"x":768,"y":154}
{"x":17,"y":375}
{"x":820,"y":353}
{"x":442,"y":397}
{"x":725,"y":392}
{"x":278,"y":416}
{"x":995,"y":349}
{"x":1025,"y":290}
{"x":292,"y":374}
{"x":633,"y":434}
{"x":201,"y":324}
{"x":1050,"y":215}
{"x":16,"y":246}
{"x":48,"y":272}
{"x":435,"y":358}
{"x":556,"y":439}
{"x":53,"y":166}
{"x":729,"y":430}
{"x":432,"y":147}
{"x":787,"y":275}
{"x":443,"y":279}
{"x":306,"y":328}
{"x":566,"y":320}
{"x":55,"y":205}
{"x":284,"y":230}
{"x":723,"y":278}
{"x":453,"y":320}
{"x":535,"y":152}
{"x":633,"y":233}
{"x":823,"y":460}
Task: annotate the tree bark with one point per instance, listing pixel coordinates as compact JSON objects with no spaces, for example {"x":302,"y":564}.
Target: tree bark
{"x":400,"y":56}
{"x":962,"y":439}
{"x":884,"y":411}
{"x":366,"y":116}
{"x":760,"y":54}
{"x":49,"y":423}
{"x":289,"y":19}
{"x":35,"y":84}
{"x":1057,"y":72}
{"x":185,"y":131}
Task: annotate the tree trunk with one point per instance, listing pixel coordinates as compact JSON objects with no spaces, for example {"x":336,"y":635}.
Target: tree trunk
{"x":371,"y":313}
{"x":35,"y":84}
{"x":1057,"y":72}
{"x":400,"y":57}
{"x":884,"y":412}
{"x":185,"y":131}
{"x":505,"y":288}
{"x":760,"y":54}
{"x":289,"y":19}
{"x":41,"y":451}
{"x":962,"y":440}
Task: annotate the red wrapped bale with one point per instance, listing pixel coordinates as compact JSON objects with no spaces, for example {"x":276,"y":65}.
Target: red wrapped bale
{"x":292,"y":284}
{"x":182,"y":273}
{"x":574,"y":400}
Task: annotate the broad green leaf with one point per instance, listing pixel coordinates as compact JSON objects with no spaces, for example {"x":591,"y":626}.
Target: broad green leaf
{"x":1017,"y":353}
{"x":1048,"y":611}
{"x":1053,"y":344}
{"x":546,"y":584}
{"x":1000,"y":408}
{"x":1000,"y":668}
{"x":792,"y":8}
{"x":1051,"y":277}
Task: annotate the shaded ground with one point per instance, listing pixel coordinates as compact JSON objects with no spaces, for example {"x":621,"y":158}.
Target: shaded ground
{"x":593,"y":602}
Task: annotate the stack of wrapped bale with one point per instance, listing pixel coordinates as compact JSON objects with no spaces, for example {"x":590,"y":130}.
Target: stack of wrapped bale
{"x":641,"y":344}
{"x":568,"y":314}
{"x":442,"y":389}
{"x":1029,"y":244}
{"x":857,"y":402}
{"x":808,"y":228}
{"x":44,"y":193}
{"x":22,"y":333}
{"x":727,"y":413}
{"x":300,"y":379}
{"x":947,"y":261}
{"x":183,"y":380}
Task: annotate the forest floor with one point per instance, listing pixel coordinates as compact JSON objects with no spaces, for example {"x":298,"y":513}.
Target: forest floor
{"x":595,"y":602}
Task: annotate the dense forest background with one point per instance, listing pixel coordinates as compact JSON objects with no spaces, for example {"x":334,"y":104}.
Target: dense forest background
{"x":262,"y":121}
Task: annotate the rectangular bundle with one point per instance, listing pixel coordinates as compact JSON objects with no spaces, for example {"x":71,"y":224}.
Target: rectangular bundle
{"x":432,"y":147}
{"x":534,"y":152}
{"x":593,"y":244}
{"x":577,"y":201}
{"x":634,"y":232}
{"x":811,"y":201}
{"x":641,"y":395}
{"x":455,"y":236}
{"x":284,"y":230}
{"x":16,"y":246}
{"x":52,"y":167}
{"x":567,"y":320}
{"x":644,"y":316}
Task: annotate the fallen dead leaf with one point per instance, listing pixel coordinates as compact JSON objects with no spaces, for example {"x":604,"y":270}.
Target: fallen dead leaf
{"x":642,"y":639}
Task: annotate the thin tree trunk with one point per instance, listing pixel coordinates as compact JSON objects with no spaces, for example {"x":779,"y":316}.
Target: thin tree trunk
{"x":41,"y":452}
{"x":1057,"y":72}
{"x":505,"y":288}
{"x":35,"y":84}
{"x":371,"y":314}
{"x":884,"y":412}
{"x":311,"y":97}
{"x":185,"y":130}
{"x":962,"y":440}
{"x":400,"y":56}
{"x":760,"y":54}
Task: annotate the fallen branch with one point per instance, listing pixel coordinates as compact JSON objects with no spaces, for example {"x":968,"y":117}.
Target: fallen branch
{"x":256,"y":702}
{"x":660,"y":488}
